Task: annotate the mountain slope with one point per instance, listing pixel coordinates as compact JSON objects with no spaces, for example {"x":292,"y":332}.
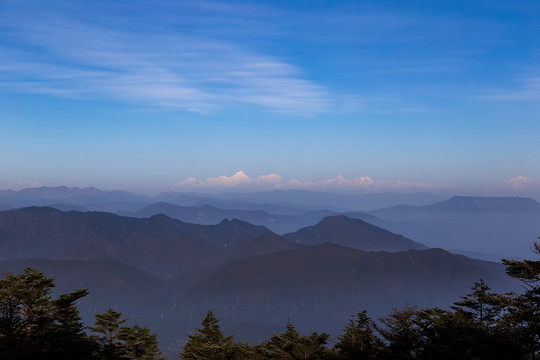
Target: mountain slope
{"x":325,"y":284}
{"x":354,"y":233}
{"x":159,"y":245}
{"x":108,"y":283}
{"x":489,"y":225}
{"x":473,"y":204}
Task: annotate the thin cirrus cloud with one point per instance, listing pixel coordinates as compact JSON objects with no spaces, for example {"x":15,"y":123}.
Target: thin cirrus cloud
{"x":528,"y":91}
{"x":64,"y":57}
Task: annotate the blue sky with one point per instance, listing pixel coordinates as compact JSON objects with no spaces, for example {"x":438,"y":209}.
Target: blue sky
{"x":146,"y":94}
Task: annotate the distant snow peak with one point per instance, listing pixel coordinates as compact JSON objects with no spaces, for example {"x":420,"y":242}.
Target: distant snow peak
{"x":520,"y":182}
{"x":274,"y":181}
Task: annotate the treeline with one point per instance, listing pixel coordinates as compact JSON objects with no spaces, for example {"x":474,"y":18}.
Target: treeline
{"x":482,"y":325}
{"x":33,"y":326}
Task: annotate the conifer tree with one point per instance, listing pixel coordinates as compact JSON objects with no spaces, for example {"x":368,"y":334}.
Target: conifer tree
{"x":402,"y":336}
{"x":292,"y":345}
{"x":524,"y":312}
{"x":208,"y":342}
{"x":483,"y":307}
{"x":69,"y":336}
{"x":32,"y":326}
{"x":358,"y":340}
{"x":139,"y":344}
{"x":108,"y":325}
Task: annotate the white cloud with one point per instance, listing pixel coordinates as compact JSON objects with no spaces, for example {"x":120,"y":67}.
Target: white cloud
{"x":517,"y":184}
{"x":241,"y":181}
{"x":65,"y":57}
{"x":16,"y":186}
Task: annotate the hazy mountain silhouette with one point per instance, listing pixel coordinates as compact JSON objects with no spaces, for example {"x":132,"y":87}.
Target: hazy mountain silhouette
{"x":489,"y":225}
{"x":204,"y":215}
{"x":335,"y":201}
{"x":209,"y":215}
{"x":475,"y":204}
{"x":353,"y":233}
{"x":169,"y":273}
{"x":109,"y":283}
{"x":89,"y":198}
{"x":327,"y":283}
{"x":159,"y":245}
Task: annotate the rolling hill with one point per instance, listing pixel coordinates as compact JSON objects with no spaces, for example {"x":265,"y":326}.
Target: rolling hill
{"x":353,"y":233}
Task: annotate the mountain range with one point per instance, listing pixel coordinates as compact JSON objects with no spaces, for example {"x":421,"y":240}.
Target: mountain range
{"x":166,"y":273}
{"x":503,"y":227}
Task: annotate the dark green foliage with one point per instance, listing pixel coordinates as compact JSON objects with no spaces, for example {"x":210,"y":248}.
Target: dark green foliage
{"x":402,"y":336}
{"x":358,"y":340}
{"x":138,"y":343}
{"x":32,"y":326}
{"x":116,"y":342}
{"x":292,"y":345}
{"x":69,"y":340}
{"x":485,"y":309}
{"x":524,"y":312}
{"x":209,"y":342}
{"x":108,"y":325}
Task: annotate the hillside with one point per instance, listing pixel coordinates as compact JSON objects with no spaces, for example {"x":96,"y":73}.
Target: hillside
{"x":325,"y":284}
{"x":473,"y":204}
{"x":353,"y":233}
{"x":496,"y":226}
{"x":159,"y":245}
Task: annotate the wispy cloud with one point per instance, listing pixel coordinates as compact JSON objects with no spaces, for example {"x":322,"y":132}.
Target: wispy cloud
{"x":60,"y":56}
{"x":528,"y":91}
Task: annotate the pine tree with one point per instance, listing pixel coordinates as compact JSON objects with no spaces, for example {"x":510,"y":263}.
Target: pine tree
{"x":209,"y":342}
{"x":483,"y":307}
{"x":108,"y":325}
{"x":358,"y":340}
{"x":33,"y":326}
{"x":69,"y":336}
{"x":292,"y":345}
{"x":524,"y":312}
{"x":138,"y":343}
{"x":402,"y":335}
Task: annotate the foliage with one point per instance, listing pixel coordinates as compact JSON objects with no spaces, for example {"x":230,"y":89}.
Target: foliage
{"x":291,"y":345}
{"x":402,"y":336}
{"x":138,"y":343}
{"x":34,"y":326}
{"x":358,"y":340}
{"x":209,"y":342}
{"x":524,"y":311}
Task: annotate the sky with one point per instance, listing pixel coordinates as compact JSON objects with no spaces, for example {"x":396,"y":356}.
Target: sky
{"x":195,"y":95}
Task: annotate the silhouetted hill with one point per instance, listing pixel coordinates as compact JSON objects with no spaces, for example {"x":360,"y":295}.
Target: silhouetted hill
{"x":228,"y":232}
{"x":489,"y":225}
{"x":88,"y":198}
{"x":335,"y":201}
{"x":353,"y":233}
{"x":108,"y":283}
{"x":207,"y":214}
{"x":325,"y":284}
{"x":159,"y":245}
